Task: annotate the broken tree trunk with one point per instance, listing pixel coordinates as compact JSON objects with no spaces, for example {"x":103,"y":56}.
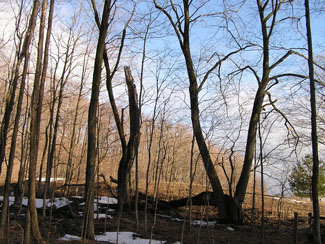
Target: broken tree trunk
{"x":129,"y":155}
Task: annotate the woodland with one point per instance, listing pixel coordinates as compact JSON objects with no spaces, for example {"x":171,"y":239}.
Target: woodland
{"x":168,"y":109}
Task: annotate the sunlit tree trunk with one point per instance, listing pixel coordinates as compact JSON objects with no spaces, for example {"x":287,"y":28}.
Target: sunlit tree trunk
{"x":88,"y":228}
{"x":24,"y":148}
{"x":10,"y":97}
{"x":5,"y":208}
{"x":36,"y":112}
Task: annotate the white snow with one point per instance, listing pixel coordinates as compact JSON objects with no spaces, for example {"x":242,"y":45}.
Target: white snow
{"x":230,"y":228}
{"x":51,"y":179}
{"x":106,"y":200}
{"x":204,"y":223}
{"x":68,"y":237}
{"x":123,"y":238}
{"x":194,"y":222}
{"x":57,"y":202}
{"x":103,"y":200}
{"x":102,"y":216}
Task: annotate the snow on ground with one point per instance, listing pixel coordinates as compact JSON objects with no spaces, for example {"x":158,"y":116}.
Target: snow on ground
{"x":123,"y":238}
{"x":68,"y":237}
{"x":102,"y":216}
{"x":204,"y":223}
{"x":194,"y":222}
{"x":106,"y":200}
{"x":57,"y":202}
{"x":51,"y":179}
{"x":103,"y":200}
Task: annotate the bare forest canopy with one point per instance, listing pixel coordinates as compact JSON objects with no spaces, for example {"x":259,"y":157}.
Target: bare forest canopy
{"x":212,"y":93}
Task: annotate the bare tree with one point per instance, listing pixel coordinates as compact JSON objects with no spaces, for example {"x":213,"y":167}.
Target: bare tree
{"x":316,"y":226}
{"x":268,"y":18}
{"x":128,"y":149}
{"x":5,"y":208}
{"x":10,"y":99}
{"x":69,"y":169}
{"x":88,"y":228}
{"x":228,"y":212}
{"x":66,"y":72}
{"x":36,"y":112}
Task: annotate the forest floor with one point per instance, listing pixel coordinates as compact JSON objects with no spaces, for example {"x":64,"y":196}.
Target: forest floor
{"x":167,"y":226}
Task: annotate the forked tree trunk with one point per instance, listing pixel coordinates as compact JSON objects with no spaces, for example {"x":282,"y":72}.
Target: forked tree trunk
{"x":268,"y":22}
{"x":228,"y":211}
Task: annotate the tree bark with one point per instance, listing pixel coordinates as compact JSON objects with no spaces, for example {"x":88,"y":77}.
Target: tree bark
{"x":5,"y":208}
{"x":226,"y":215}
{"x":36,"y":112}
{"x":259,"y":98}
{"x":128,"y":157}
{"x":195,"y":116}
{"x":88,"y":228}
{"x":24,"y":148}
{"x":10,"y":99}
{"x":316,"y":226}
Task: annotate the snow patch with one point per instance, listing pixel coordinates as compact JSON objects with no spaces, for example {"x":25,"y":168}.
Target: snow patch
{"x":102,"y":216}
{"x":194,"y":222}
{"x":103,"y":200}
{"x":68,"y":237}
{"x":123,"y":238}
{"x":57,"y":202}
{"x":230,"y":228}
{"x":204,"y":223}
{"x":106,"y":200}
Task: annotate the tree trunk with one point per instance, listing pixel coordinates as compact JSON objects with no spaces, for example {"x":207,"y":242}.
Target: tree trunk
{"x":316,"y":226}
{"x":20,"y":186}
{"x":36,"y":112}
{"x":250,"y":143}
{"x":88,"y":228}
{"x":10,"y":99}
{"x":129,"y":156}
{"x":227,"y":212}
{"x":258,"y":103}
{"x":5,"y":206}
{"x":195,"y":116}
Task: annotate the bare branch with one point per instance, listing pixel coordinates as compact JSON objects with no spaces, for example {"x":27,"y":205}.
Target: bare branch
{"x":206,"y":76}
{"x":177,"y":31}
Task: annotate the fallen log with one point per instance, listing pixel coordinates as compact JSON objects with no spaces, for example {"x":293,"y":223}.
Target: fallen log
{"x":203,"y":198}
